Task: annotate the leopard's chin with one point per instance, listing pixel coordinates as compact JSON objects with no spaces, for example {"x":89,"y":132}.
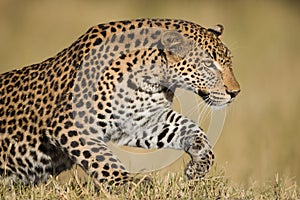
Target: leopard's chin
{"x":219,"y":107}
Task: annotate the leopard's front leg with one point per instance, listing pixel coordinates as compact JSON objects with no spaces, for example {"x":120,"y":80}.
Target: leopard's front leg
{"x":202,"y":157}
{"x":175,"y":131}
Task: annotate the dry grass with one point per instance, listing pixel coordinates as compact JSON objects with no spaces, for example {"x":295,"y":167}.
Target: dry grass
{"x":261,"y":133}
{"x":172,"y":186}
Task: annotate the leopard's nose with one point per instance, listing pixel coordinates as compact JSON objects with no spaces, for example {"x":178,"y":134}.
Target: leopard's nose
{"x":233,"y":93}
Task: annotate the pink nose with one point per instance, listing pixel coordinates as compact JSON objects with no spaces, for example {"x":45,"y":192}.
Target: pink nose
{"x":233,"y":93}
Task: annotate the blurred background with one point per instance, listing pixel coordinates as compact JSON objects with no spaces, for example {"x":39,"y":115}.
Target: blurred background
{"x":261,"y":136}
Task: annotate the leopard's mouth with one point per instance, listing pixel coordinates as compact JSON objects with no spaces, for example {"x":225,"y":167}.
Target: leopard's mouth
{"x":216,"y":100}
{"x":203,"y":94}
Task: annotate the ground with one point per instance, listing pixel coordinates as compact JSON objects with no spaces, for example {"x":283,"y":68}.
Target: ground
{"x":173,"y":186}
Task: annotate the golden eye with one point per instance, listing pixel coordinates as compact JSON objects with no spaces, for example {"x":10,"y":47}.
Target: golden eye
{"x":208,"y":63}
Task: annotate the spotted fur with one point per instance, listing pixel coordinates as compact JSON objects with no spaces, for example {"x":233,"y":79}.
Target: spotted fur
{"x":115,"y":83}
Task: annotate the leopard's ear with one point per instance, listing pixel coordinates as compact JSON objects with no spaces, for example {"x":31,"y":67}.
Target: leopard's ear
{"x":217,"y":30}
{"x":175,"y":43}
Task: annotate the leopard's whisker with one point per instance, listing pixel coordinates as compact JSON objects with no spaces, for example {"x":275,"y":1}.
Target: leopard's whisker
{"x":195,"y":108}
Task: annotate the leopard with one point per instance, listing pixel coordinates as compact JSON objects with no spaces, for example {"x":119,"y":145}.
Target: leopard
{"x":115,"y":83}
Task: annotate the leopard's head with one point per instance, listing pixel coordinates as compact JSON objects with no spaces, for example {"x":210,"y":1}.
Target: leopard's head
{"x":202,"y":63}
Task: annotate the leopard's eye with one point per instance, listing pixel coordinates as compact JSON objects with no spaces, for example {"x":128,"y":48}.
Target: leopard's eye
{"x":208,"y":63}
